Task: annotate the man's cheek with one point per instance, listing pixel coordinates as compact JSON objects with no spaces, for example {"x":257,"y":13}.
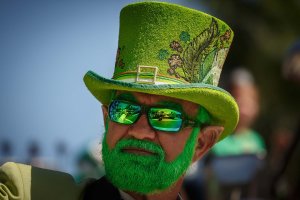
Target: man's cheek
{"x":114,"y":133}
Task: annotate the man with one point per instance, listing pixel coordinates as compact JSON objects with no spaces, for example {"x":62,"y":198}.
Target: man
{"x":162,"y":109}
{"x":244,"y":150}
{"x":244,"y":140}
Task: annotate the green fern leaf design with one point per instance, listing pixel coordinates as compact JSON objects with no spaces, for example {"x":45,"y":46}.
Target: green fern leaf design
{"x":197,"y":51}
{"x":206,"y":65}
{"x":213,"y":75}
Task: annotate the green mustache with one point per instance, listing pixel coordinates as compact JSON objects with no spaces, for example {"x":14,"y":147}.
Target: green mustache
{"x":139,"y":144}
{"x":158,"y":152}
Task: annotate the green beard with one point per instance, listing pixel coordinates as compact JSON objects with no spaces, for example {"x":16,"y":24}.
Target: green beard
{"x":145,"y":174}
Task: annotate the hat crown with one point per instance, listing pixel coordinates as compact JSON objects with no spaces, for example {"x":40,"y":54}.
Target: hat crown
{"x":180,"y":51}
{"x":164,"y":43}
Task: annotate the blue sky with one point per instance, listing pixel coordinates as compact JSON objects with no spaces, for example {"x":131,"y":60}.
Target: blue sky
{"x":46,"y":47}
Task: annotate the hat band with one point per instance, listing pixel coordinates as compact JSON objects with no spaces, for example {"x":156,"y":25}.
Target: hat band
{"x":147,"y":75}
{"x":131,"y":77}
{"x":147,"y":78}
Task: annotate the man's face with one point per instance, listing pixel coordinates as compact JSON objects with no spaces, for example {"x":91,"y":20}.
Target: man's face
{"x":247,"y":99}
{"x":138,"y":154}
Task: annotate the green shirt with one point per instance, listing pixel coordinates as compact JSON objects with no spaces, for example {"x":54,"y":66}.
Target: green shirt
{"x":248,"y":142}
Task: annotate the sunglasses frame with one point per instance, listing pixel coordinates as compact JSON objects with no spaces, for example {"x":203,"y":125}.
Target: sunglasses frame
{"x":145,"y":110}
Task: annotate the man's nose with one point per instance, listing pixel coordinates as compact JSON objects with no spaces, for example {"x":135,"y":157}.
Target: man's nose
{"x":142,"y":130}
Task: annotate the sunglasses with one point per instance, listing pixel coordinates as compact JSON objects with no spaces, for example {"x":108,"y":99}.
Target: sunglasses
{"x":159,"y":118}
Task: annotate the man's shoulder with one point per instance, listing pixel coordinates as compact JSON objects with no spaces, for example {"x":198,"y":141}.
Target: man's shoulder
{"x":15,"y":181}
{"x":28,"y":182}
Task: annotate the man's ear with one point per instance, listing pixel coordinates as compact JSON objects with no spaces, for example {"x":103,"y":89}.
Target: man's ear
{"x":105,"y":113}
{"x":208,"y":136}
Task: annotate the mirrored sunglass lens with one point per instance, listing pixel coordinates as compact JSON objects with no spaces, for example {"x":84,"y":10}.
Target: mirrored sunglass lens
{"x":165,"y":119}
{"x":123,"y":112}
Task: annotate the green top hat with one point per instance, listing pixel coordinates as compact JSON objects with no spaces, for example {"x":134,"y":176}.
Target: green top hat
{"x":174,"y":51}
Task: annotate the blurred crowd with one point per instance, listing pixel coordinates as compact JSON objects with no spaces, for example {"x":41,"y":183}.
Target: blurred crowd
{"x":34,"y":155}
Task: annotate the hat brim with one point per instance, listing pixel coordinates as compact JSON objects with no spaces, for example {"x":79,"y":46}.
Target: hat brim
{"x":218,"y":102}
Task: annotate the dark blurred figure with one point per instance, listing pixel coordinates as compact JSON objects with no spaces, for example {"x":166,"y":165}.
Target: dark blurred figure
{"x":89,"y":162}
{"x":34,"y":153}
{"x":236,"y":161}
{"x":291,"y":64}
{"x":62,"y":158}
{"x":6,"y":151}
{"x":194,"y":182}
{"x":287,"y":165}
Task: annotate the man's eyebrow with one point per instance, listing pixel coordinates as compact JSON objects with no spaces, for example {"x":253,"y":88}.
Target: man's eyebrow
{"x":126,"y":97}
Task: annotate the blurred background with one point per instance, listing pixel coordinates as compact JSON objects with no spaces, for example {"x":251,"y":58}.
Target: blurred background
{"x":49,"y":119}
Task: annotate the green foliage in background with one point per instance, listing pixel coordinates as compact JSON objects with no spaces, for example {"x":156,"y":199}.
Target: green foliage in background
{"x":264,"y":31}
